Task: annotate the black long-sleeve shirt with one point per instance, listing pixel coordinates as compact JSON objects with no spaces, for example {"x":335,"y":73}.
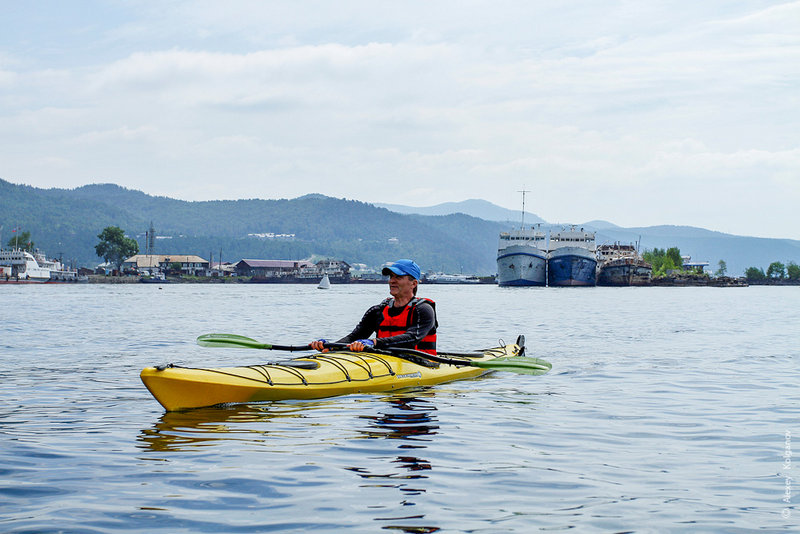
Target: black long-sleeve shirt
{"x":423,"y":320}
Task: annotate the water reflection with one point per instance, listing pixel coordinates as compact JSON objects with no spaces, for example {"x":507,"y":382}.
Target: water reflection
{"x":413,"y":421}
{"x":401,"y":417}
{"x":177,"y":431}
{"x":406,"y":419}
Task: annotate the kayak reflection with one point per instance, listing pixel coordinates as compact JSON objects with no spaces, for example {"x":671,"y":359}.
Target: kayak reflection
{"x":326,"y":419}
{"x":179,"y":431}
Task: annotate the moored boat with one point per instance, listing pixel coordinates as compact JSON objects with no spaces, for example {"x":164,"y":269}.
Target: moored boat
{"x":621,"y":265}
{"x":522,"y":255}
{"x":572,"y":259}
{"x":18,"y":266}
{"x":156,"y":278}
{"x":522,"y":258}
{"x":313,"y":376}
{"x":442,"y":278}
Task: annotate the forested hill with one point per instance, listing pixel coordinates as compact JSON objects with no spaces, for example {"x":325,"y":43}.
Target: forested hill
{"x":66,"y":222}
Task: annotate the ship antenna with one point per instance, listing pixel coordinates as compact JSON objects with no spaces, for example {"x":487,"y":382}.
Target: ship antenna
{"x":523,"y":206}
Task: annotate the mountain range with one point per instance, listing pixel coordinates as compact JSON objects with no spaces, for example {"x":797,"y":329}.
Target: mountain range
{"x":450,"y":237}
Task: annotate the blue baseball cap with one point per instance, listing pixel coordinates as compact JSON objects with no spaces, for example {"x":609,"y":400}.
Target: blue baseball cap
{"x":402,"y":267}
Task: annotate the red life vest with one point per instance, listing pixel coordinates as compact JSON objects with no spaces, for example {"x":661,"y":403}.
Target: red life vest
{"x":394,"y":326}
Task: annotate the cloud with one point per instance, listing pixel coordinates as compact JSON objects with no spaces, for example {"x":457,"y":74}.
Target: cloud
{"x":244,"y":78}
{"x":585,"y":103}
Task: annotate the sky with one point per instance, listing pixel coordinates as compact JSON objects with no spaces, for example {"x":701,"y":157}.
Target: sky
{"x":637,"y":113}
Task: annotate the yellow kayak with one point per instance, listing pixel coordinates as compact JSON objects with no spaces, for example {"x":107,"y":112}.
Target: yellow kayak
{"x":310,"y":377}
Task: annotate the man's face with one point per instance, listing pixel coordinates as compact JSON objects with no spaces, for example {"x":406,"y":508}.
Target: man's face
{"x":401,"y":285}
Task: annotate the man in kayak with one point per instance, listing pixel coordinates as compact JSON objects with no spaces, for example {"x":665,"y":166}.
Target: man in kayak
{"x":401,"y":321}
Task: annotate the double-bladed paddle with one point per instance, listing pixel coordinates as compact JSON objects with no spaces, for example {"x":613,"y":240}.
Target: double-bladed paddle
{"x":514,"y":364}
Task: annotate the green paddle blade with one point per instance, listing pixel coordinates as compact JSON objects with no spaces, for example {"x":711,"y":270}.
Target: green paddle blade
{"x":516,"y":364}
{"x":230,"y":340}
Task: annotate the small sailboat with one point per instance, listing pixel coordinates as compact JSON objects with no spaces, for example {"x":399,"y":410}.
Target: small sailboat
{"x":325,"y":283}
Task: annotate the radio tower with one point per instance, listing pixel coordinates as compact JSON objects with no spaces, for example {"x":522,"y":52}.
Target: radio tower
{"x":151,"y":239}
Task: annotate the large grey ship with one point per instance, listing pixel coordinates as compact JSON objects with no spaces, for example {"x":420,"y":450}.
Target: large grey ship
{"x":522,"y":258}
{"x":522,"y":255}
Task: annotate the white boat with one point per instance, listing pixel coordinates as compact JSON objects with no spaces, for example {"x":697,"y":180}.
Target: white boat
{"x":442,"y":278}
{"x":325,"y":283}
{"x":572,"y":258}
{"x":21,"y":266}
{"x":522,"y":258}
{"x":522,"y":255}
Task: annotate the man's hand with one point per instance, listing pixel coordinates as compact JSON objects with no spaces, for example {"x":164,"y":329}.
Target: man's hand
{"x":360,"y":345}
{"x":319,"y":345}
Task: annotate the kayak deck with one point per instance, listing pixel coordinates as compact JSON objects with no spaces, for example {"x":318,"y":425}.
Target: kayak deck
{"x":308,"y":377}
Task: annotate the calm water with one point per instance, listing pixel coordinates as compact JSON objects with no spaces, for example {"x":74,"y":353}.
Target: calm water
{"x":667,"y":409}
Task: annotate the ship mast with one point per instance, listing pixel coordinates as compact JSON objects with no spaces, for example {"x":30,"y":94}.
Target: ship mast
{"x":523,"y":191}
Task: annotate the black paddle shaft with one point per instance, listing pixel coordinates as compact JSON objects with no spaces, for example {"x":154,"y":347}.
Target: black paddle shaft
{"x":401,"y":352}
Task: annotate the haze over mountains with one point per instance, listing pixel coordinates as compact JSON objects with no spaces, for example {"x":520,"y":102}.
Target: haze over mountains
{"x":475,"y":207}
{"x":452,"y":237}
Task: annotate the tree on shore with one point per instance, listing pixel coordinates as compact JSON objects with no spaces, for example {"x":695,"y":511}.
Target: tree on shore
{"x":723,"y":268}
{"x":793,"y":271}
{"x":114,"y":247}
{"x":776,"y":271}
{"x":755,"y":274}
{"x":21,"y":240}
{"x":663,"y":261}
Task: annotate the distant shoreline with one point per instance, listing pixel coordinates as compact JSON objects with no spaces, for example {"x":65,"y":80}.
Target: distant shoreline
{"x":658,"y":282}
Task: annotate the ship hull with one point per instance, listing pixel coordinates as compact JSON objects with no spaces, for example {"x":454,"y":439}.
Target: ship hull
{"x":571,"y":266}
{"x":520,"y":265}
